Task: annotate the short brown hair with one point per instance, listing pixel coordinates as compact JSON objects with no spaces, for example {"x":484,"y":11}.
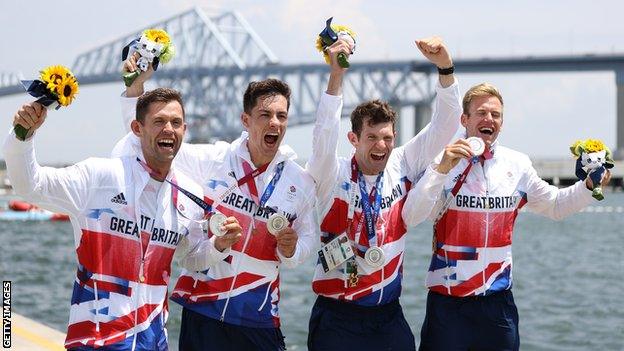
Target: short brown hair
{"x":377,"y":111}
{"x":156,"y":95}
{"x":483,"y":89}
{"x":267,"y":87}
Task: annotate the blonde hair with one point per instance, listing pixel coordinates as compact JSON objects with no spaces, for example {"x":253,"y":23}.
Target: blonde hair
{"x":483,"y":89}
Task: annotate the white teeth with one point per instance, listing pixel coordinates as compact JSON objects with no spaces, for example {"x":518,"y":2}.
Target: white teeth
{"x":272,"y":134}
{"x":486,"y":130}
{"x":378,"y":155}
{"x":166,"y":141}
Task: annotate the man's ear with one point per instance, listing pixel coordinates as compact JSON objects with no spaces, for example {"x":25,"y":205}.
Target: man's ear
{"x":353,"y":138}
{"x":136,"y":127}
{"x":464,"y":119}
{"x":245,"y":120}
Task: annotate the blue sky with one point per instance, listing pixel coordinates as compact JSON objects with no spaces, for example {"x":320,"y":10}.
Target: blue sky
{"x":544,"y":113}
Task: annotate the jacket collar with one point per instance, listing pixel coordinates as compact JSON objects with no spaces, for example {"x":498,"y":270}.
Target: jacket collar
{"x":239,"y":147}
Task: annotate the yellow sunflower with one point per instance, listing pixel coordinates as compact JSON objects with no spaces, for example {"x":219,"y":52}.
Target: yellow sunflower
{"x":320,"y":46}
{"x":67,"y":90}
{"x":340,"y":28}
{"x":157,"y":36}
{"x":593,"y":145}
{"x":53,"y":76}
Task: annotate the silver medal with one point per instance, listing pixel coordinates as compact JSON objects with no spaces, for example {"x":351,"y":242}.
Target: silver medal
{"x":476,"y":145}
{"x":276,"y":223}
{"x":374,"y":256}
{"x":216,"y":221}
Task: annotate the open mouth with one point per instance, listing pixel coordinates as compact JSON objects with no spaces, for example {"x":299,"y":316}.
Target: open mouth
{"x":166,"y":143}
{"x":378,"y":156}
{"x":486,"y":130}
{"x":271,"y":138}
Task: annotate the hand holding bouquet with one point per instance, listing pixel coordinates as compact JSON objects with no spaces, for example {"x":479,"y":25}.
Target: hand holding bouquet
{"x":332,"y":33}
{"x":154,"y":46}
{"x":593,"y":159}
{"x":55,"y":87}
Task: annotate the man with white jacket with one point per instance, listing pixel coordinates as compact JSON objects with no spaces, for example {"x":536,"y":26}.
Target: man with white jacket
{"x":473,"y":193}
{"x":360,"y":200}
{"x":130,"y":215}
{"x":234,"y":305}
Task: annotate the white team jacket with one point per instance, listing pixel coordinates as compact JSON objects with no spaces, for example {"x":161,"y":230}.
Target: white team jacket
{"x":376,"y":286}
{"x":120,"y":290}
{"x":242,"y":288}
{"x":472,"y":240}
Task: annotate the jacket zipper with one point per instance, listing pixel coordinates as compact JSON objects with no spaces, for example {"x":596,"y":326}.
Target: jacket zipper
{"x":97,"y":307}
{"x":487,"y":227}
{"x":242,"y":257}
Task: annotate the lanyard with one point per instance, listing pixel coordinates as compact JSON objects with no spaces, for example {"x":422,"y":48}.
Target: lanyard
{"x":268,"y":191}
{"x":251,"y":176}
{"x":370,"y":211}
{"x":206,"y":206}
{"x":487,"y":154}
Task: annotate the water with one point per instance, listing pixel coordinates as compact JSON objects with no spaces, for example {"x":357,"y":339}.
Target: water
{"x":567,"y":279}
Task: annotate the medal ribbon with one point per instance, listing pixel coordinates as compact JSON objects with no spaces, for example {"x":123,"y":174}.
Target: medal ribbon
{"x":370,"y":211}
{"x":487,"y":154}
{"x":205,"y":205}
{"x":270,"y":188}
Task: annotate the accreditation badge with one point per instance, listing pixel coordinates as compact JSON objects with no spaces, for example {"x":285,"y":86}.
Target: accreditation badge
{"x":335,"y":252}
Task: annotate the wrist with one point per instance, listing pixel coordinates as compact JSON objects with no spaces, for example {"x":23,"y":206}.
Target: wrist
{"x":287,"y":253}
{"x":135,"y":90}
{"x":445,"y":70}
{"x":442,"y":169}
{"x":219,"y":246}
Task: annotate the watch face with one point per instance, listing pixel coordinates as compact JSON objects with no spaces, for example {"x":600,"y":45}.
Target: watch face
{"x":216,"y":221}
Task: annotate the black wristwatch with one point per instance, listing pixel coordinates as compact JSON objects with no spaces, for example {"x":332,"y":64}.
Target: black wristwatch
{"x":446,"y":71}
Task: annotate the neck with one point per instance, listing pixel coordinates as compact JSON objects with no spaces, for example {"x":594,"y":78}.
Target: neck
{"x":364,"y":169}
{"x":159,"y":170}
{"x":259,"y":161}
{"x":257,"y":158}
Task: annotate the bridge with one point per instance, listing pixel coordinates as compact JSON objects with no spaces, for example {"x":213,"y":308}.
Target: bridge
{"x":218,"y":54}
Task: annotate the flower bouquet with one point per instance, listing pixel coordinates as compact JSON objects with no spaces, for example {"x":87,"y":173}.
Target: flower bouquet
{"x":330,"y":34}
{"x":55,"y":87}
{"x":593,"y":159}
{"x":154,"y":46}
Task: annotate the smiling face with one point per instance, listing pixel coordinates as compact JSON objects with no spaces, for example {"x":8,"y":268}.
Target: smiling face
{"x":373,"y":146}
{"x":266,"y":124}
{"x":161,"y":133}
{"x":484,"y":118}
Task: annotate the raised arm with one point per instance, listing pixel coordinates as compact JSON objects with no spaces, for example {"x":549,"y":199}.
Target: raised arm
{"x":323,"y":164}
{"x":190,"y":158}
{"x":129,"y":144}
{"x":63,"y":189}
{"x":430,"y":141}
